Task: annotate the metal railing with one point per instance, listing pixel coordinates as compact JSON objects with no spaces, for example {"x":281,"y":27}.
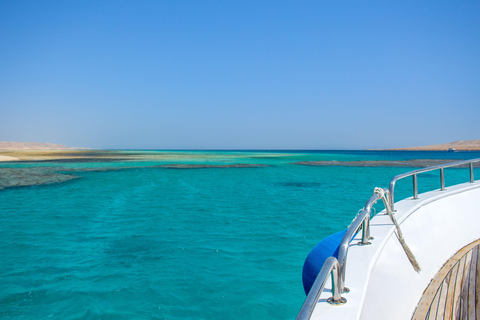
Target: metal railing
{"x":337,"y":267}
{"x":414,"y":174}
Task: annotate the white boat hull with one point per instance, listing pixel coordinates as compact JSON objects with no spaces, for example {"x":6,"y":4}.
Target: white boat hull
{"x":382,"y":282}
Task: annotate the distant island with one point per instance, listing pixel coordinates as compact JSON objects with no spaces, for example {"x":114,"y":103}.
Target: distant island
{"x":24,"y":151}
{"x":9,"y":145}
{"x":462,"y":145}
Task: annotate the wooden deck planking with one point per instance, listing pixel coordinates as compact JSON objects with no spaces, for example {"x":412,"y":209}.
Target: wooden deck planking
{"x":458,"y":287}
{"x":472,"y":271}
{"x":452,"y":277}
{"x":477,"y":286}
{"x":462,"y":303}
{"x":442,"y":299}
{"x":432,"y":313}
{"x":453,"y":293}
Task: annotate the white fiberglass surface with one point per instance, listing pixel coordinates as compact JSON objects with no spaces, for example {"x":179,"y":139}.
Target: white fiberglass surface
{"x":382,"y":282}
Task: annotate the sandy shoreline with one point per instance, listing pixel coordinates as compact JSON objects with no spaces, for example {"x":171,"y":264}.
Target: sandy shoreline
{"x":92,"y":155}
{"x":34,"y":151}
{"x":8,"y":158}
{"x":65,"y":155}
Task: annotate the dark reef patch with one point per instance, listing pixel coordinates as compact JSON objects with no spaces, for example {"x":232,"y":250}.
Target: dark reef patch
{"x":26,"y":177}
{"x":32,"y":176}
{"x":417,"y":163}
{"x":301,"y":184}
{"x":204,"y":166}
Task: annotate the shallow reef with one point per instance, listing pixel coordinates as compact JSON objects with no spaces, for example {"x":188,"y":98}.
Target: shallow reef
{"x":416,"y":163}
{"x":32,"y":176}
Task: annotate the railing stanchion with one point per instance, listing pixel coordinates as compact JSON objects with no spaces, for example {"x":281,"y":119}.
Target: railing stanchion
{"x":366,"y":231}
{"x":471,"y":172}
{"x":442,"y":180}
{"x":336,"y":286}
{"x":415,"y":187}
{"x":391,"y":191}
{"x":331,"y":269}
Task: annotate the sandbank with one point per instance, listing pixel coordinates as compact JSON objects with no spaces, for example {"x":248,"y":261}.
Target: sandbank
{"x":8,"y":158}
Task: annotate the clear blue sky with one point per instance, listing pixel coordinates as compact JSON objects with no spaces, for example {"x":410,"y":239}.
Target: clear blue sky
{"x":240,"y":74}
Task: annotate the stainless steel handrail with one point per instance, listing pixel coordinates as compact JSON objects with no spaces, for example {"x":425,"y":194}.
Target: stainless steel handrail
{"x":330,"y":267}
{"x":414,"y":174}
{"x":337,"y":267}
{"x":359,"y":221}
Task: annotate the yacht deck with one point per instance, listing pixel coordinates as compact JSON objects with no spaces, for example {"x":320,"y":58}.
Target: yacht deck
{"x":453,"y":292}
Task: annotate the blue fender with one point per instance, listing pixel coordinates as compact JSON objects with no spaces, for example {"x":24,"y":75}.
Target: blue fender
{"x":328,"y":247}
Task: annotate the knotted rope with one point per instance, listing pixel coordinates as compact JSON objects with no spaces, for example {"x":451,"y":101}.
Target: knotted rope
{"x":398,"y":232}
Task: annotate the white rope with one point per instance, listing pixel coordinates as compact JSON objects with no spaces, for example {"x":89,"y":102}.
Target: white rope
{"x":398,"y":233}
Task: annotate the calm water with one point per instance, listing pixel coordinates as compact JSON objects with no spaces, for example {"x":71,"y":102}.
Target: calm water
{"x":155,"y":243}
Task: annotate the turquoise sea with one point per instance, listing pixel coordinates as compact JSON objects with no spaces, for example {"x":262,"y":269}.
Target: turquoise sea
{"x":148,"y":242}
